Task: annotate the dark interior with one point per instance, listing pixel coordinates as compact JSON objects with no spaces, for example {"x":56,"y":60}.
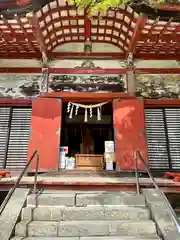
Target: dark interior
{"x":73,"y":130}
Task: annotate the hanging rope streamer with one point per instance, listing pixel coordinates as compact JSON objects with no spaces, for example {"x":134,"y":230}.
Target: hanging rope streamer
{"x":86,"y":115}
{"x":71,"y":106}
{"x":68,"y":107}
{"x":71,"y":112}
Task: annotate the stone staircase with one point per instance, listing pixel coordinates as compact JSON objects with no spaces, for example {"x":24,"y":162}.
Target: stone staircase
{"x":65,"y":215}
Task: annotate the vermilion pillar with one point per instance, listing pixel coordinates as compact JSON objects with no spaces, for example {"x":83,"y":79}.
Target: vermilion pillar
{"x":129,"y":128}
{"x":45,"y":133}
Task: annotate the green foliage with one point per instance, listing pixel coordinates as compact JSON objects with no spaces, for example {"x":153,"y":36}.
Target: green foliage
{"x":101,"y":6}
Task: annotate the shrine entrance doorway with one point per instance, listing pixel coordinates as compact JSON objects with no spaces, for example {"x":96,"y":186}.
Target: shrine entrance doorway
{"x":87,"y":130}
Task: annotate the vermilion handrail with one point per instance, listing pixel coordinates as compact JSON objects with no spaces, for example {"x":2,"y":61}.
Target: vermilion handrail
{"x":3,"y":205}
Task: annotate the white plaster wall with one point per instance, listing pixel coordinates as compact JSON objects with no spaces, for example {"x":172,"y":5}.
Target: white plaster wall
{"x":156,"y":64}
{"x":28,"y":63}
{"x":18,"y":63}
{"x":77,"y":63}
{"x":79,"y":47}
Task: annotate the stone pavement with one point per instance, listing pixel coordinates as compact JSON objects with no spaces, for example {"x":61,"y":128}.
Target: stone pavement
{"x":89,"y":179}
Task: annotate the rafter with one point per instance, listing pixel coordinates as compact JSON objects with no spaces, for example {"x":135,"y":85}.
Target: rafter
{"x":136,"y":34}
{"x":87,"y":26}
{"x":25,"y":33}
{"x":161,"y":35}
{"x":59,"y":22}
{"x":38,"y":33}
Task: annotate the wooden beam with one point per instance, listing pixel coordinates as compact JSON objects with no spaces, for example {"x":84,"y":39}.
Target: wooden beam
{"x":25,"y":33}
{"x":38,"y":34}
{"x":9,"y":102}
{"x":19,"y":55}
{"x":157,"y":70}
{"x":80,"y":71}
{"x":157,"y":103}
{"x":77,"y":71}
{"x":87,"y":55}
{"x":169,"y":7}
{"x":20,"y":70}
{"x":157,"y":56}
{"x":87,"y":26}
{"x":93,"y":56}
{"x":136,"y":34}
{"x":80,"y":96}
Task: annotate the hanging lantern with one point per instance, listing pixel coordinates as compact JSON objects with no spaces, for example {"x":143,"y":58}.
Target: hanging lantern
{"x":23,"y":2}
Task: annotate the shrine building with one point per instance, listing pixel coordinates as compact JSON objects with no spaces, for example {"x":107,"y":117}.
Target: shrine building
{"x":88,"y":93}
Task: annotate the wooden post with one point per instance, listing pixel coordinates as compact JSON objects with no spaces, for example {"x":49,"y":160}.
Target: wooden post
{"x":131,"y":81}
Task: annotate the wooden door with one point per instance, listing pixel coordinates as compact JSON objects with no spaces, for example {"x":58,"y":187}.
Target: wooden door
{"x":129,"y":129}
{"x":45,"y":132}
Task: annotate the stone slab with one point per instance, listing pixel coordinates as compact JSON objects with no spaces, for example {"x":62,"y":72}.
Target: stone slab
{"x":90,"y":238}
{"x":42,"y":229}
{"x":84,"y":213}
{"x":104,"y":228}
{"x":155,"y":237}
{"x":12,"y":211}
{"x":21,"y":228}
{"x":93,"y":213}
{"x":27,"y":214}
{"x":162,"y":215}
{"x":56,"y":199}
{"x":48,"y":213}
{"x":17,"y":238}
{"x":83,"y":228}
{"x":126,"y":213}
{"x":46,"y":238}
{"x":134,"y":228}
{"x":124,"y":199}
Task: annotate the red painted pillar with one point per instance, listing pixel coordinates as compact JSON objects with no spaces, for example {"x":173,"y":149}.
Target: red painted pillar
{"x":129,"y":127}
{"x":45,"y":133}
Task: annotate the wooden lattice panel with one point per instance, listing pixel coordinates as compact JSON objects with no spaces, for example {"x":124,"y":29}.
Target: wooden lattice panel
{"x":116,"y":28}
{"x":63,"y":23}
{"x":60,"y":22}
{"x":16,"y":36}
{"x":158,"y":38}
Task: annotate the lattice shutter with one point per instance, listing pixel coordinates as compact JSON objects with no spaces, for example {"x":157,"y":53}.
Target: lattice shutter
{"x":173,"y":129}
{"x":4,"y":122}
{"x":156,"y":138}
{"x":19,"y":138}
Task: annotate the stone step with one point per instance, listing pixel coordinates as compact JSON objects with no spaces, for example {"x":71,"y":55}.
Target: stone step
{"x":84,"y":228}
{"x":90,"y":213}
{"x":153,"y":237}
{"x":84,"y":199}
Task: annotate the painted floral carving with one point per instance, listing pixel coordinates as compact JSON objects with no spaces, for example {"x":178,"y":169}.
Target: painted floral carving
{"x":19,"y":86}
{"x":158,"y":86}
{"x":90,"y":83}
{"x":27,"y":86}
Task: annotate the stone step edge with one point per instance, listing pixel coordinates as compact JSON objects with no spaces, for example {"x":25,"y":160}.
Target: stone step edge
{"x":90,"y":213}
{"x":95,"y":228}
{"x":155,"y":237}
{"x":69,"y":199}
